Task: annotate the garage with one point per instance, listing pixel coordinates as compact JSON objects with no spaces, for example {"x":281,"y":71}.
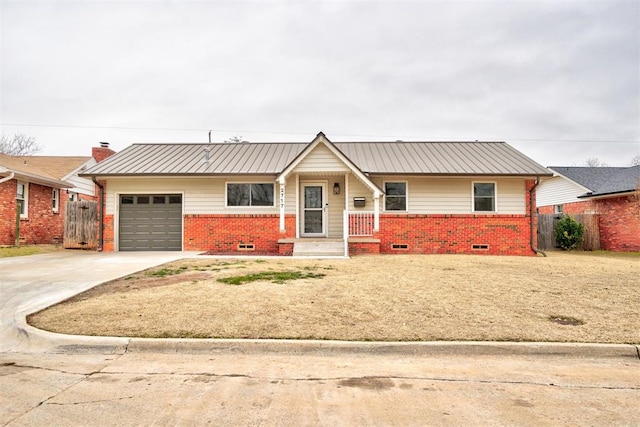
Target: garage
{"x":150,"y":222}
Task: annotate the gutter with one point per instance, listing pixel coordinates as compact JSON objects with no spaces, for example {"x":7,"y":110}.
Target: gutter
{"x":7,"y":178}
{"x":101,"y":224}
{"x":531,"y":213}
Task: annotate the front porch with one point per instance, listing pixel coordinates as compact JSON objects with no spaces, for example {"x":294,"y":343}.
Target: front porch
{"x":358,"y":238}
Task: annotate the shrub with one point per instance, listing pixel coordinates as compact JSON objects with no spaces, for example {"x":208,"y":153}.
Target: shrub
{"x":569,"y":233}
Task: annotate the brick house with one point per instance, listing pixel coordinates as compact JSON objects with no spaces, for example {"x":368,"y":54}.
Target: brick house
{"x":320,"y":198}
{"x":611,"y":192}
{"x":44,"y":185}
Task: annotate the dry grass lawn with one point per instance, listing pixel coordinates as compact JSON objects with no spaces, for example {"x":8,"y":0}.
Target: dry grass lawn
{"x":570,"y":297}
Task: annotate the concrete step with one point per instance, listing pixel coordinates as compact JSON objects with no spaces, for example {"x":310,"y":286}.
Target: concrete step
{"x":319,"y":248}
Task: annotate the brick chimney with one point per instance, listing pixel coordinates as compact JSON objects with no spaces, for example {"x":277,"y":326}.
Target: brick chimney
{"x":102,"y":152}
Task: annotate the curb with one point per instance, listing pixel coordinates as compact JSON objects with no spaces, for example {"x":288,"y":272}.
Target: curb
{"x":432,"y":348}
{"x":40,"y":341}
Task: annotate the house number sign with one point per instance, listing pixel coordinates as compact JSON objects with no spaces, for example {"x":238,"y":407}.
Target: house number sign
{"x":282,"y":196}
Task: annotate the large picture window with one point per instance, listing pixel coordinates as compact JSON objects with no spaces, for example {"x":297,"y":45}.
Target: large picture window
{"x":484,"y":197}
{"x":250,"y":194}
{"x":395,"y":198}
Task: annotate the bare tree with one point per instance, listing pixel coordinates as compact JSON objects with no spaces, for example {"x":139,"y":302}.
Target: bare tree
{"x":19,"y":145}
{"x":635,"y":161}
{"x":234,"y":139}
{"x":594,"y":162}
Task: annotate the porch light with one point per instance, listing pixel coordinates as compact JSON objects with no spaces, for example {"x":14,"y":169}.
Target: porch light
{"x":336,"y":188}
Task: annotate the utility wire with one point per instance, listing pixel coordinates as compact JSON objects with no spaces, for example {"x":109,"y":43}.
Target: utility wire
{"x":394,"y":137}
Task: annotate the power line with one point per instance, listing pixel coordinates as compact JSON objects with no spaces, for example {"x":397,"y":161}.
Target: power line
{"x":394,"y":137}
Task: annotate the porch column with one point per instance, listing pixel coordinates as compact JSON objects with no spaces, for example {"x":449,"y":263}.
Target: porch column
{"x":282,"y":197}
{"x":376,"y":211}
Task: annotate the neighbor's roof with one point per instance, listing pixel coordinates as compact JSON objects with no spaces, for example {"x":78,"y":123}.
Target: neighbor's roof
{"x":48,"y":169}
{"x":602,"y":180}
{"x":434,"y":158}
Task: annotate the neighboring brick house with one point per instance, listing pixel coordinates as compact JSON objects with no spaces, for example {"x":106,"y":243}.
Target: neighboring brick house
{"x":44,"y":184}
{"x":320,"y":198}
{"x":611,"y":192}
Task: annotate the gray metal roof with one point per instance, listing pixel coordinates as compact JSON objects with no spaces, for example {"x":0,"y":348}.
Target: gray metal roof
{"x":602,"y":180}
{"x":434,"y":158}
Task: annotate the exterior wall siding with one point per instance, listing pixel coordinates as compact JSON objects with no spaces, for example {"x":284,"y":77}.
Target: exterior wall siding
{"x":558,"y":191}
{"x":322,"y":160}
{"x":201,"y":195}
{"x":454,"y":195}
{"x":431,"y":226}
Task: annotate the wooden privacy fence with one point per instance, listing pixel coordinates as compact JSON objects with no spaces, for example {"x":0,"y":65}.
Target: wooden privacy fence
{"x":547,"y":234}
{"x":81,"y":225}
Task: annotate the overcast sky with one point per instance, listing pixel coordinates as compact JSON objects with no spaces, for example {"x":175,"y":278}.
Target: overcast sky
{"x":559,"y":80}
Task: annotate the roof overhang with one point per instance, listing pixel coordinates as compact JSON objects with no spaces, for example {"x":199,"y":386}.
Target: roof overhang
{"x":607,"y":195}
{"x":36,"y":179}
{"x":322,"y":139}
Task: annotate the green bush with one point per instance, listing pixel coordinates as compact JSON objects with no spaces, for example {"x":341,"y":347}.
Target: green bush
{"x":569,"y":233}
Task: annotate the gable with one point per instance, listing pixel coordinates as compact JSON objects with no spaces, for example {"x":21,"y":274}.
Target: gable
{"x":557,"y":191}
{"x":321,"y":159}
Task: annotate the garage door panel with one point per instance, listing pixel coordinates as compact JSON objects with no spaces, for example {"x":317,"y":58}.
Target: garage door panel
{"x":150,"y":222}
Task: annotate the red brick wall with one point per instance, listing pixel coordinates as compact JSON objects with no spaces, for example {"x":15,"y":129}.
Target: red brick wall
{"x":455,"y":234}
{"x":221,"y":234}
{"x":101,"y":153}
{"x":8,"y":212}
{"x":108,"y":242}
{"x":42,"y":225}
{"x":362,"y":248}
{"x":619,"y":223}
{"x":574,"y":208}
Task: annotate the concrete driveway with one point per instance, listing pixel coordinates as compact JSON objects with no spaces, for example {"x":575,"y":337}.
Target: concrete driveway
{"x":31,"y":283}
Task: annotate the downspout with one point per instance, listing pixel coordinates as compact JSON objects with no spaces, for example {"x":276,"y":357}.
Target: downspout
{"x":531,"y":221}
{"x":101,"y":224}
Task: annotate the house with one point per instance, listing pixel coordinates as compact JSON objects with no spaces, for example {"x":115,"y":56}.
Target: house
{"x":299,"y":198}
{"x":34,"y":191}
{"x":611,"y":192}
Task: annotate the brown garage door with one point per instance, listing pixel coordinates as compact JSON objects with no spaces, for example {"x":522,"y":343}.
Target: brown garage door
{"x":150,"y":222}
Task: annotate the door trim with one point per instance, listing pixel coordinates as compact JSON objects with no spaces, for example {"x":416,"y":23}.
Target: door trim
{"x":301,"y":209}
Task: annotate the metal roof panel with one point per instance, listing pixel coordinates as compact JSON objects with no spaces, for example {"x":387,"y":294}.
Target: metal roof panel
{"x":434,"y":158}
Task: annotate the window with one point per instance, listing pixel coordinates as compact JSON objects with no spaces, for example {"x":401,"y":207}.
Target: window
{"x":73,"y":197}
{"x":558,"y":209}
{"x":23,"y":198}
{"x":395,"y":198}
{"x":250,"y":194}
{"x":55,"y":199}
{"x":484,"y":197}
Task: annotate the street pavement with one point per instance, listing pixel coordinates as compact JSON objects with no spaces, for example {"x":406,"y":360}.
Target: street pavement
{"x":53,"y":379}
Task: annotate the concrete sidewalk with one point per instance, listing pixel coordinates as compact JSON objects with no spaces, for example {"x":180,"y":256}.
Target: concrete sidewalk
{"x":32,"y":283}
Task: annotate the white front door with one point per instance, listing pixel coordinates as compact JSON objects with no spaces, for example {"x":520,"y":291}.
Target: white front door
{"x":313,"y":209}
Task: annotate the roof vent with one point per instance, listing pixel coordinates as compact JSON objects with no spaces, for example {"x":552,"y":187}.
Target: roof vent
{"x":104,"y":144}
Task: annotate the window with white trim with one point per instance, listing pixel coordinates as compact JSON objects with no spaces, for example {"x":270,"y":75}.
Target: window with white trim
{"x":55,"y":199}
{"x":484,"y":196}
{"x":395,"y":196}
{"x":250,"y":194}
{"x":23,"y":197}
